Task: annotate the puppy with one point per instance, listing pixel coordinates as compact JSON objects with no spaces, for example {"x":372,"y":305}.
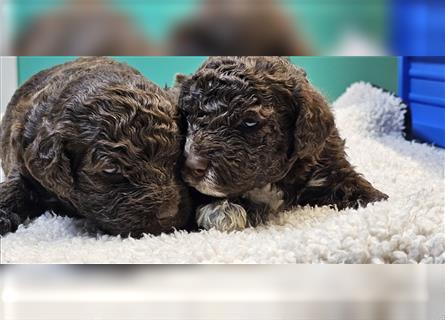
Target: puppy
{"x":234,"y":27}
{"x":261,"y":139}
{"x":93,"y":138}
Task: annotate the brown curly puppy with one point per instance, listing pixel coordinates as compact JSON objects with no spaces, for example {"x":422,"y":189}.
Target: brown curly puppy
{"x":93,"y":138}
{"x":261,"y":138}
{"x":233,"y":27}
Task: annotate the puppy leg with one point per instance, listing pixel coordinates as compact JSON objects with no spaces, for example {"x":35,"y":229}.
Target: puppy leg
{"x":222,"y":215}
{"x":17,"y":203}
{"x":356,"y":192}
{"x":262,"y":202}
{"x":349,"y":191}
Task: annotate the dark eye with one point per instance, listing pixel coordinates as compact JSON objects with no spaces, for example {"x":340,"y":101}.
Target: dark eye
{"x":113,"y":175}
{"x":111,"y":170}
{"x":250,"y":123}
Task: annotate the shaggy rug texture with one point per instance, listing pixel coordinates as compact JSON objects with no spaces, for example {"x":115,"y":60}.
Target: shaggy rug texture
{"x":408,"y":228}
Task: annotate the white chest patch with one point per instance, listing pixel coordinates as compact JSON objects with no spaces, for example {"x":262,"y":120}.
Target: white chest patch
{"x":316,"y":182}
{"x":269,"y":194}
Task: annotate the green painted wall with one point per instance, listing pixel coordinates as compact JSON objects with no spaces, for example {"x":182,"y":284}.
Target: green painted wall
{"x":332,"y":75}
{"x":329,"y":74}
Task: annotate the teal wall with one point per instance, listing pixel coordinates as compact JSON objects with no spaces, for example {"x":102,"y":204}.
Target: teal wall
{"x":329,"y":74}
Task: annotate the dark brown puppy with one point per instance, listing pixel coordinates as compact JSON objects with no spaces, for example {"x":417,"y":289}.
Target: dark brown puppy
{"x":93,"y":138}
{"x":262,"y":138}
{"x":233,"y":27}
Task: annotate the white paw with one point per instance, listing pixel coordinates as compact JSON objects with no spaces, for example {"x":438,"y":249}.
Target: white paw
{"x":222,"y":215}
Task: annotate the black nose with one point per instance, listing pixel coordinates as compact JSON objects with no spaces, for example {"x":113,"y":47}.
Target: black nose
{"x":197,"y":165}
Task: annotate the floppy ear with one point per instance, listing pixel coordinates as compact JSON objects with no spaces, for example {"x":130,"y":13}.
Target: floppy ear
{"x":180,"y":79}
{"x":314,"y":122}
{"x":47,"y":162}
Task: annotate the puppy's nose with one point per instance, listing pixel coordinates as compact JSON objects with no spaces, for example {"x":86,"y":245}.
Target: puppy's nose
{"x":197,"y":165}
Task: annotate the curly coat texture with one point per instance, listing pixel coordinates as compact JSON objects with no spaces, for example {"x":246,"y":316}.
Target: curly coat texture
{"x":93,"y":138}
{"x":267,"y":141}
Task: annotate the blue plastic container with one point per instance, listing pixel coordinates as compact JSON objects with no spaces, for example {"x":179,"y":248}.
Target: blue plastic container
{"x":417,"y":27}
{"x":422,"y":87}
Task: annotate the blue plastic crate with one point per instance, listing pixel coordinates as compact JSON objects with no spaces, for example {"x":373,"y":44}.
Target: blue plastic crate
{"x":422,"y":87}
{"x":417,"y":27}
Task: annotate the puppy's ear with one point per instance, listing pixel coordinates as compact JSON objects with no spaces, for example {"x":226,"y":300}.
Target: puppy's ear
{"x":180,"y":79}
{"x":314,"y":122}
{"x":48,"y":163}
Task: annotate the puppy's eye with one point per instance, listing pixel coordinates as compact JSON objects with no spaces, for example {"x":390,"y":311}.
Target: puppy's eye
{"x":250,"y":123}
{"x":111,"y":170}
{"x":113,"y":175}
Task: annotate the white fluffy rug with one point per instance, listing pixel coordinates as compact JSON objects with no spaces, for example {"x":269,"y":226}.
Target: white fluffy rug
{"x":408,"y":228}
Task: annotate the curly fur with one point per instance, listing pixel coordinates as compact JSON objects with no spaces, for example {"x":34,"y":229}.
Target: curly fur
{"x":293,"y":146}
{"x":222,"y":215}
{"x":93,"y":138}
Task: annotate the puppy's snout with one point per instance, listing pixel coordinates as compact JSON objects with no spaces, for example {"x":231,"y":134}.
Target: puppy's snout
{"x":196,"y":165}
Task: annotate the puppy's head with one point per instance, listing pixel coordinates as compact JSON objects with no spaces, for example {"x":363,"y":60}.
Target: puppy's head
{"x":111,"y":153}
{"x":249,"y":120}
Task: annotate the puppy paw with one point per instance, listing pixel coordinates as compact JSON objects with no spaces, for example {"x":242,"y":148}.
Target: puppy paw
{"x":269,"y":195}
{"x":222,"y":215}
{"x":361,"y":200}
{"x":373,"y":197}
{"x":8,"y":222}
